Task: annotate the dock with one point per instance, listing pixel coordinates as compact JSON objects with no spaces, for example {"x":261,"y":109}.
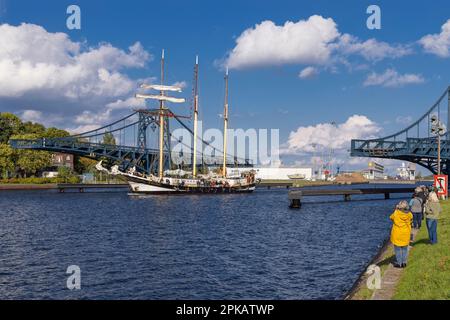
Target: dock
{"x":295,"y":196}
{"x":291,"y":183}
{"x":81,"y":187}
{"x":62,"y":187}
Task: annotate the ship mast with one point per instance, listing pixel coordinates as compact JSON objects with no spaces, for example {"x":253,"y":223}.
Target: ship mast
{"x":163,"y":111}
{"x":161,"y":122}
{"x":194,"y":164}
{"x":225,"y":126}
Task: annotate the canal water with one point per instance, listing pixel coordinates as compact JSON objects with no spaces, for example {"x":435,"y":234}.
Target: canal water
{"x":249,"y":246}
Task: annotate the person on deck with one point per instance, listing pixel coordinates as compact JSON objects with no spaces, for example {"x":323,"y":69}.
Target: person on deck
{"x":401,"y":232}
{"x":416,"y":206}
{"x":432,"y":211}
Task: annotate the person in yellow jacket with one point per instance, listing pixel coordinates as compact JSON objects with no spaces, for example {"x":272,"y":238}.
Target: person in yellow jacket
{"x":401,"y":232}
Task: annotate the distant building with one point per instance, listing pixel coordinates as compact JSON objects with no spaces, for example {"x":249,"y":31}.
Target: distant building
{"x":273,"y":173}
{"x":59,"y":160}
{"x":375,"y":171}
{"x":62,"y":160}
{"x":406,"y":171}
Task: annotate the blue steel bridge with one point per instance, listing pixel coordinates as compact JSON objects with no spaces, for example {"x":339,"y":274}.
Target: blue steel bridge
{"x":133,"y":142}
{"x":415,"y":143}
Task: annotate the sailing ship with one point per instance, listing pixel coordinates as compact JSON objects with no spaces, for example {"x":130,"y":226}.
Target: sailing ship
{"x":181,"y":181}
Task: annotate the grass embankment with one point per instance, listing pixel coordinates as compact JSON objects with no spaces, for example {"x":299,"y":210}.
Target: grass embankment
{"x":35,"y":180}
{"x":428,"y":273}
{"x":383,"y":261}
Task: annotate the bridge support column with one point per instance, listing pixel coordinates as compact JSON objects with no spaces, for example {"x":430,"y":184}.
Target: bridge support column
{"x":295,"y":199}
{"x":295,"y":204}
{"x":347,"y":197}
{"x":387,"y":196}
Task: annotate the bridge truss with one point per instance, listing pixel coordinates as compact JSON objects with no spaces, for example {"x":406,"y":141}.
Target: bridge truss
{"x":133,"y":142}
{"x":415,"y":143}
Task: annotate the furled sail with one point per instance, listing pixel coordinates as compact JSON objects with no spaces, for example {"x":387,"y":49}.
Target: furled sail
{"x":161,"y":87}
{"x":160,"y":98}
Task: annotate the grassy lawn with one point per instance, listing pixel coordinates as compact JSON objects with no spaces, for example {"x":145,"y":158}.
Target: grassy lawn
{"x":428,"y":273}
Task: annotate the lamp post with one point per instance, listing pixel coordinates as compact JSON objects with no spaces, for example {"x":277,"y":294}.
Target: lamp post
{"x":314,"y":145}
{"x":438,"y":129}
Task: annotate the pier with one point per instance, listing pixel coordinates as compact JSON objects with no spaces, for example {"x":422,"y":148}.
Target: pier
{"x":81,"y":187}
{"x":295,"y":196}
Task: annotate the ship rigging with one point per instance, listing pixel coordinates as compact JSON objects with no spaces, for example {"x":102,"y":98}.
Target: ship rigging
{"x":180,"y":181}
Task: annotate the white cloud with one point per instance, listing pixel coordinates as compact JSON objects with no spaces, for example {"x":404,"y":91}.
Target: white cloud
{"x":371,"y":49}
{"x":126,"y":104}
{"x":32,"y":59}
{"x":305,"y":41}
{"x":49,"y":72}
{"x":31,"y":115}
{"x":391,"y":78}
{"x":438,"y":44}
{"x":315,"y":41}
{"x":82,"y":128}
{"x":327,"y":135}
{"x":91,"y":118}
{"x":180,"y":84}
{"x":308,"y":72}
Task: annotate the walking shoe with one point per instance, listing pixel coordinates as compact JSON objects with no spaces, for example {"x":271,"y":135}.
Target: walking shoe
{"x":404,"y":265}
{"x":396,"y":265}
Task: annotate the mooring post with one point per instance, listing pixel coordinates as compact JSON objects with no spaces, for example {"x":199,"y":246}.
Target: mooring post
{"x":295,"y":199}
{"x":387,"y":195}
{"x":295,"y":204}
{"x":347,"y":197}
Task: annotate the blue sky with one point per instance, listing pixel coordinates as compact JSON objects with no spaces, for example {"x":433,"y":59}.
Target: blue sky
{"x":262,"y":95}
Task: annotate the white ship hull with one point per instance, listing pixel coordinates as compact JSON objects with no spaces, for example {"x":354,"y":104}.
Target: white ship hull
{"x":137,"y":187}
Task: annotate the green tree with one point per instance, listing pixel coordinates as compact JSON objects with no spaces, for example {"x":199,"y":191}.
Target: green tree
{"x":83,"y":164}
{"x":6,"y":160}
{"x":33,"y":128}
{"x":10,"y":124}
{"x":64,"y":174}
{"x":55,"y":133}
{"x":109,"y":139}
{"x":29,"y":162}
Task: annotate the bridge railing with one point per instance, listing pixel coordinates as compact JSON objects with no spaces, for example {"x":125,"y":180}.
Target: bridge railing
{"x":71,"y":144}
{"x":415,"y":143}
{"x":26,"y":143}
{"x":376,"y":147}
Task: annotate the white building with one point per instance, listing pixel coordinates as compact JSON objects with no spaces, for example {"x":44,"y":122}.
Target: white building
{"x":375,"y":171}
{"x":277,"y":173}
{"x":407,"y":171}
